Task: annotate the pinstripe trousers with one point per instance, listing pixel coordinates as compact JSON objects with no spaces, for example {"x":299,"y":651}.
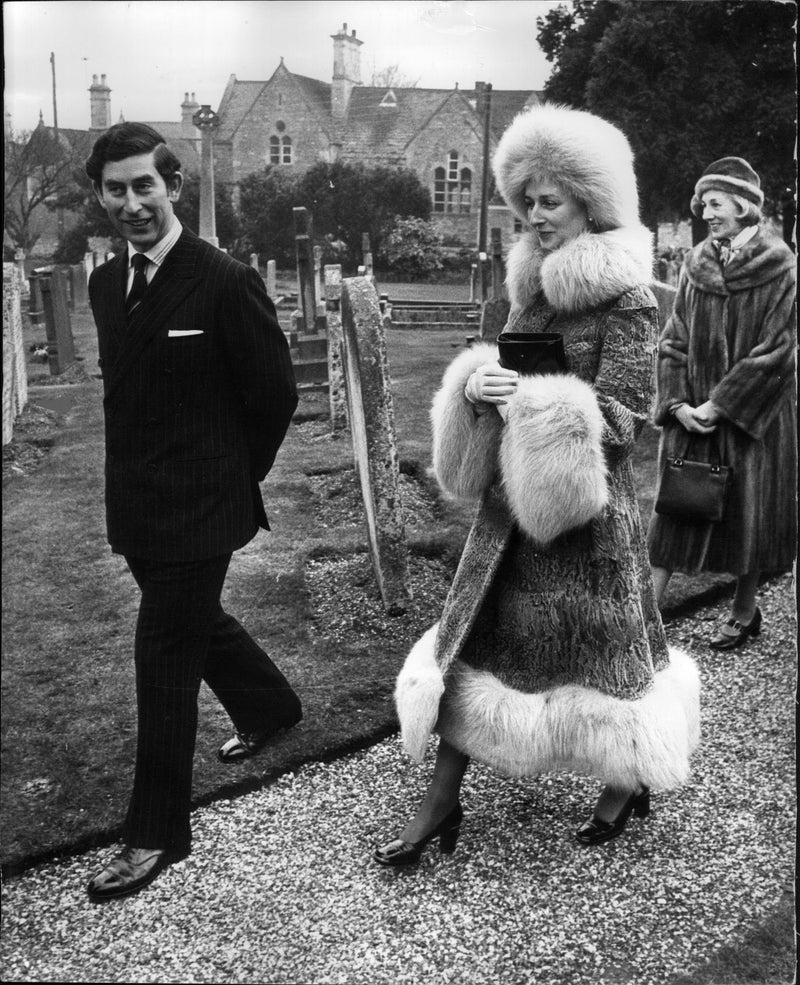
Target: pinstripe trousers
{"x":184,"y":636}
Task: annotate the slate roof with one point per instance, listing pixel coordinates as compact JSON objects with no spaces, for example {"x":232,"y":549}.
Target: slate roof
{"x":507,"y":103}
{"x":382,"y":132}
{"x":186,"y":149}
{"x":371,"y":131}
{"x":236,"y":103}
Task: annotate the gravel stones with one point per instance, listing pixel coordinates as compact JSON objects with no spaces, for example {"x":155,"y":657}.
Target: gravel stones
{"x":281,"y":887}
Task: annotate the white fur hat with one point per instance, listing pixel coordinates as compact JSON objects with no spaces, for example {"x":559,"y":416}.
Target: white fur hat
{"x":582,"y":153}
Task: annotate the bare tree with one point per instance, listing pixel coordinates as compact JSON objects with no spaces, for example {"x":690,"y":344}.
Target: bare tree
{"x":37,"y":170}
{"x":392,"y":78}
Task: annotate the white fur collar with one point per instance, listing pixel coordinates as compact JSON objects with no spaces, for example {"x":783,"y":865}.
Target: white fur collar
{"x":589,"y":271}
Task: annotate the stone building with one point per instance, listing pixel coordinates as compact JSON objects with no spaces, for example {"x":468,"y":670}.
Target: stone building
{"x":292,"y":121}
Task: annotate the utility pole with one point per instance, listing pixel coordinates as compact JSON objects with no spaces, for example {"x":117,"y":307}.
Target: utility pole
{"x":59,"y":211}
{"x":484,"y":216}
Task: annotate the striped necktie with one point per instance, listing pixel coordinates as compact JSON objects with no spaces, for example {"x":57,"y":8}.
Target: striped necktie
{"x":139,"y":263}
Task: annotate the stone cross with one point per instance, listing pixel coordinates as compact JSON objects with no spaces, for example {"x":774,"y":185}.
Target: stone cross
{"x":206,"y":121}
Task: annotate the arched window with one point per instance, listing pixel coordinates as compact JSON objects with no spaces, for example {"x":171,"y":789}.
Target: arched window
{"x":452,"y":188}
{"x":280,"y":149}
{"x":439,"y":186}
{"x":274,"y":150}
{"x":465,"y":190}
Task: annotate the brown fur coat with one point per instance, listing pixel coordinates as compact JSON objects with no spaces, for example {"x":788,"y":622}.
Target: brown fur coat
{"x":732,"y":339}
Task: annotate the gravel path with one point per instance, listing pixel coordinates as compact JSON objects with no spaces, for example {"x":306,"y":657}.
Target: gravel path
{"x":280,"y":887}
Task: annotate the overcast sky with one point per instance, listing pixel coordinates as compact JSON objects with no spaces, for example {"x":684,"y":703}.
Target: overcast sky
{"x":154,"y":52}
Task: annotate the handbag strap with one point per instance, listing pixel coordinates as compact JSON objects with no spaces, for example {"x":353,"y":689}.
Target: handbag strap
{"x":715,"y":459}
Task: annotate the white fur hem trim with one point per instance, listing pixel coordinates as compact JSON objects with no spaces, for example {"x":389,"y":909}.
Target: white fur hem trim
{"x":624,"y":743}
{"x":419,"y":689}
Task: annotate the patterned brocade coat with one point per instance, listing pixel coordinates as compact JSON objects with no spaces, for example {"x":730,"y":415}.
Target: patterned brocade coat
{"x":550,"y":652}
{"x":732,"y":339}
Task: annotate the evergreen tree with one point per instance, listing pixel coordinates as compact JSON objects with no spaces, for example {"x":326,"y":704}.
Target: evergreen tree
{"x":688,"y":82}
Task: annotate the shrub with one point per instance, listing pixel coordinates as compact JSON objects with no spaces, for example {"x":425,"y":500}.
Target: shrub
{"x":413,"y":248}
{"x":72,"y":246}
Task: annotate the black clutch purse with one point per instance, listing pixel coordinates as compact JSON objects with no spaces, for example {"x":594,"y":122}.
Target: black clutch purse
{"x":529,"y":354}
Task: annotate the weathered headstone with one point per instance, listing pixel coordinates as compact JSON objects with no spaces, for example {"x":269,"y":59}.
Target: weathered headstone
{"x":494,"y":317}
{"x":254,"y":261}
{"x":20,"y":275}
{"x":303,"y":239}
{"x":60,"y":346}
{"x":15,"y":375}
{"x":366,"y":253}
{"x":78,"y":288}
{"x":272,"y":279}
{"x":337,"y":392}
{"x":35,"y":309}
{"x":371,"y":412}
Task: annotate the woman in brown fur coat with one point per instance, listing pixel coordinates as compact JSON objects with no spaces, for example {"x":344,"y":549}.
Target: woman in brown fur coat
{"x":726,"y":383}
{"x":550,"y":653}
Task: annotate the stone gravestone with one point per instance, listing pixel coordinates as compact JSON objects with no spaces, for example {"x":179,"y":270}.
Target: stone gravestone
{"x":371,"y":413}
{"x":60,"y":347}
{"x":337,"y":392}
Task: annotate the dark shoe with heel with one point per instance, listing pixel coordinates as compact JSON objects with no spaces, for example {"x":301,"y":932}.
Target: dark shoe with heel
{"x":730,"y":641}
{"x":596,"y":831}
{"x":130,"y":871}
{"x":399,"y":852}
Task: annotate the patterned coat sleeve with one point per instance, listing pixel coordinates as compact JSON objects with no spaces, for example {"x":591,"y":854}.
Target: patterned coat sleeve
{"x":624,"y":381}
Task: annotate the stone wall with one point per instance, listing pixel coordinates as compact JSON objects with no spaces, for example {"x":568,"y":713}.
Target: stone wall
{"x":281,"y":101}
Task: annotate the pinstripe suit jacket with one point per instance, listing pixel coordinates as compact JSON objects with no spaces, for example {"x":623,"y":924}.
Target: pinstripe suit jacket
{"x":193,"y":421}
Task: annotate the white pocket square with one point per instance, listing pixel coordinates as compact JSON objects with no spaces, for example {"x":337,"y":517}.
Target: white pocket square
{"x":177,"y":333}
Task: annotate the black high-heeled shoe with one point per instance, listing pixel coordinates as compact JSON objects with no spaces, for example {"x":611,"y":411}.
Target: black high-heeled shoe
{"x":399,"y":852}
{"x":726,"y":642}
{"x":595,"y":832}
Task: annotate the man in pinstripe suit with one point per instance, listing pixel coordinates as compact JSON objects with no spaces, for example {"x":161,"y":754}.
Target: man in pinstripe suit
{"x":199,"y":392}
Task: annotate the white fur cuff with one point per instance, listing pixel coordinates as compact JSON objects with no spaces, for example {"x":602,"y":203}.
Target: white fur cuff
{"x":464,"y":444}
{"x":551,"y":456}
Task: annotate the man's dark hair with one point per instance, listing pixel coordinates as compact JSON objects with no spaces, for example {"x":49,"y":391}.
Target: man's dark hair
{"x":129,"y":140}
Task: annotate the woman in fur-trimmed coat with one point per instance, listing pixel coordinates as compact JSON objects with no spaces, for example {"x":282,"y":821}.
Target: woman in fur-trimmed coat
{"x":727,"y":388}
{"x":550,"y":653}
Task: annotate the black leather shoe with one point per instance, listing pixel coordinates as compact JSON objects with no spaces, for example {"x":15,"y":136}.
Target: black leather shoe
{"x":595,"y":832}
{"x":399,"y":852}
{"x":727,"y":641}
{"x":130,"y":871}
{"x":243,"y":745}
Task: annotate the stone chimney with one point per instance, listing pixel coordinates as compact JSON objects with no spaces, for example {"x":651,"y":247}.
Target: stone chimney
{"x":480,"y":98}
{"x":346,"y":71}
{"x":188,"y":108}
{"x":100,"y":104}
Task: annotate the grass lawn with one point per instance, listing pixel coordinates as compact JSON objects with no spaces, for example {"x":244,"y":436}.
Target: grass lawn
{"x":305,"y":591}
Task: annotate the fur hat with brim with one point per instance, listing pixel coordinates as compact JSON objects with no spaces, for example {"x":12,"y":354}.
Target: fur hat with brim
{"x":729,"y":174}
{"x":583,"y":154}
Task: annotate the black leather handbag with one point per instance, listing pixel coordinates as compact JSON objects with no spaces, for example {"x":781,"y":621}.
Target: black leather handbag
{"x":528,"y":353}
{"x":693,"y":490}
